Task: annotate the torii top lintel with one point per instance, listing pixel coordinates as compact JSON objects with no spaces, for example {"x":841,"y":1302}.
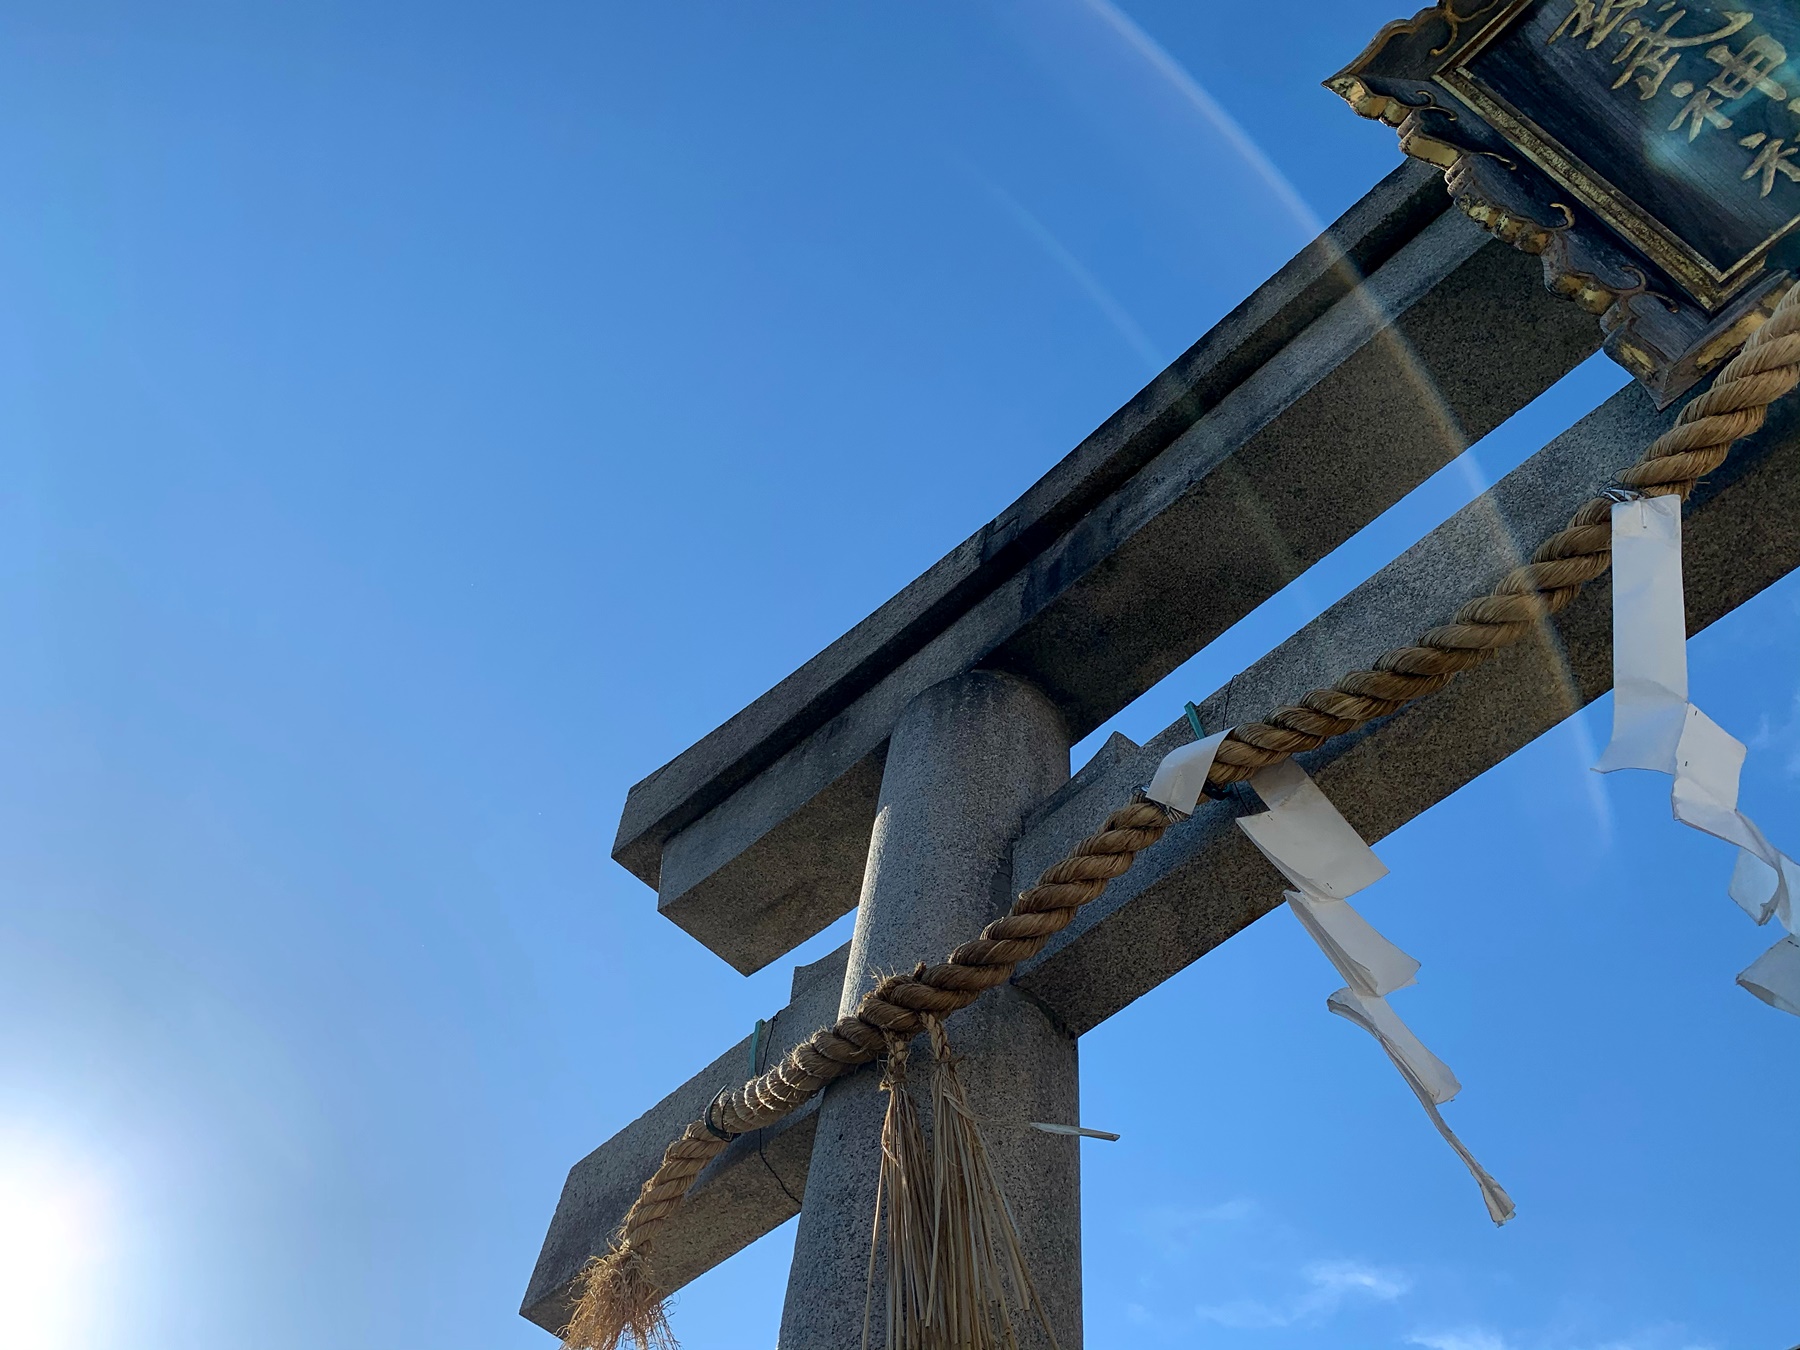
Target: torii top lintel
{"x":1369,"y":361}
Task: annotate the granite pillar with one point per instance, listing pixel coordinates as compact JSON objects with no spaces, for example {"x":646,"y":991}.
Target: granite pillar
{"x":968,"y":760}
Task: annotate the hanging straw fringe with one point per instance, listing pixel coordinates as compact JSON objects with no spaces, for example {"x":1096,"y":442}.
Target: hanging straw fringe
{"x":905,"y":1220}
{"x":977,"y":1262}
{"x":955,"y":1266}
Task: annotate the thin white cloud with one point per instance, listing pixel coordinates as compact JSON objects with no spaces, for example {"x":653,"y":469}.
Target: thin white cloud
{"x":1783,"y":736}
{"x":1483,"y":1338}
{"x":1334,"y":1279}
{"x":1245,"y":1314}
{"x":1175,"y":1230}
{"x":1466,"y":1339}
{"x":1329,"y":1285}
{"x":1169,"y":1218}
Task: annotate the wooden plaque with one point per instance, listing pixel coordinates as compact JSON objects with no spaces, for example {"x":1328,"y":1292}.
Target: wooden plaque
{"x":1647,"y":150}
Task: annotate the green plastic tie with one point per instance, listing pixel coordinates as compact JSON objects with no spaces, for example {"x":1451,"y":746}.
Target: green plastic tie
{"x":756,"y":1046}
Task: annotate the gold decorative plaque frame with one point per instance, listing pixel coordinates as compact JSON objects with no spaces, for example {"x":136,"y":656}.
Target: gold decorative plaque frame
{"x":1670,"y":312}
{"x":1670,"y":252}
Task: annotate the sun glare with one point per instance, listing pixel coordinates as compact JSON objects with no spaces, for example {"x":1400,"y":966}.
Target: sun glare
{"x":49,"y":1214}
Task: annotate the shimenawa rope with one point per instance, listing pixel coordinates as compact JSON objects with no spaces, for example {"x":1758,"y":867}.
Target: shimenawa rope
{"x":615,"y":1287}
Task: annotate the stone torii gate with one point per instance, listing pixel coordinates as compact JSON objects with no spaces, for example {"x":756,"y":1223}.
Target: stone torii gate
{"x":917,"y":770}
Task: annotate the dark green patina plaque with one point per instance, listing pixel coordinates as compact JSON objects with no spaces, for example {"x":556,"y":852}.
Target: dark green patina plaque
{"x":1648,"y":150}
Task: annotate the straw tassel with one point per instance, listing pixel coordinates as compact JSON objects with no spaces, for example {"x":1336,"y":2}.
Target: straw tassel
{"x":977,"y":1262}
{"x":618,"y":1299}
{"x":902,"y":1215}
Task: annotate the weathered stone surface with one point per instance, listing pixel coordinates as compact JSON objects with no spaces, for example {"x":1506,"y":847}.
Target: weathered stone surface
{"x":1365,"y":237}
{"x":752,"y":1187}
{"x":1203,"y":883}
{"x":1448,"y":338}
{"x":970,"y":758}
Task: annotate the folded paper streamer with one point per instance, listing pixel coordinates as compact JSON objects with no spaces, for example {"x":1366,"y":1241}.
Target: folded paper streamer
{"x":1429,"y":1078}
{"x":1774,"y":977}
{"x":1313,"y":846}
{"x":1374,"y":966}
{"x":1305,"y":837}
{"x":1655,"y":727}
{"x":1181,"y":777}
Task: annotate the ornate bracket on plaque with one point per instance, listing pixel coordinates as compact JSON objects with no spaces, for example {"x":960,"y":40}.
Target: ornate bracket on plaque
{"x":1647,"y":150}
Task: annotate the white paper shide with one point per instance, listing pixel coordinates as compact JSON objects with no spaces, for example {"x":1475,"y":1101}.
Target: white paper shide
{"x":1326,"y":862}
{"x":1656,"y":727}
{"x":1313,"y":846}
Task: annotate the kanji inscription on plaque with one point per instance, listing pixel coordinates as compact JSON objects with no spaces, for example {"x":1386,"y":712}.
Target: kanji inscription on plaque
{"x":1649,"y":150}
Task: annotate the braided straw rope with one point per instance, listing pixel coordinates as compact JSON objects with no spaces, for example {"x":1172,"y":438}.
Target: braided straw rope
{"x":1767,"y":368}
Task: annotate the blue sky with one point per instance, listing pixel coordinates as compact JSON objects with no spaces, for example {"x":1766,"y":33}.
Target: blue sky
{"x":423,"y":420}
